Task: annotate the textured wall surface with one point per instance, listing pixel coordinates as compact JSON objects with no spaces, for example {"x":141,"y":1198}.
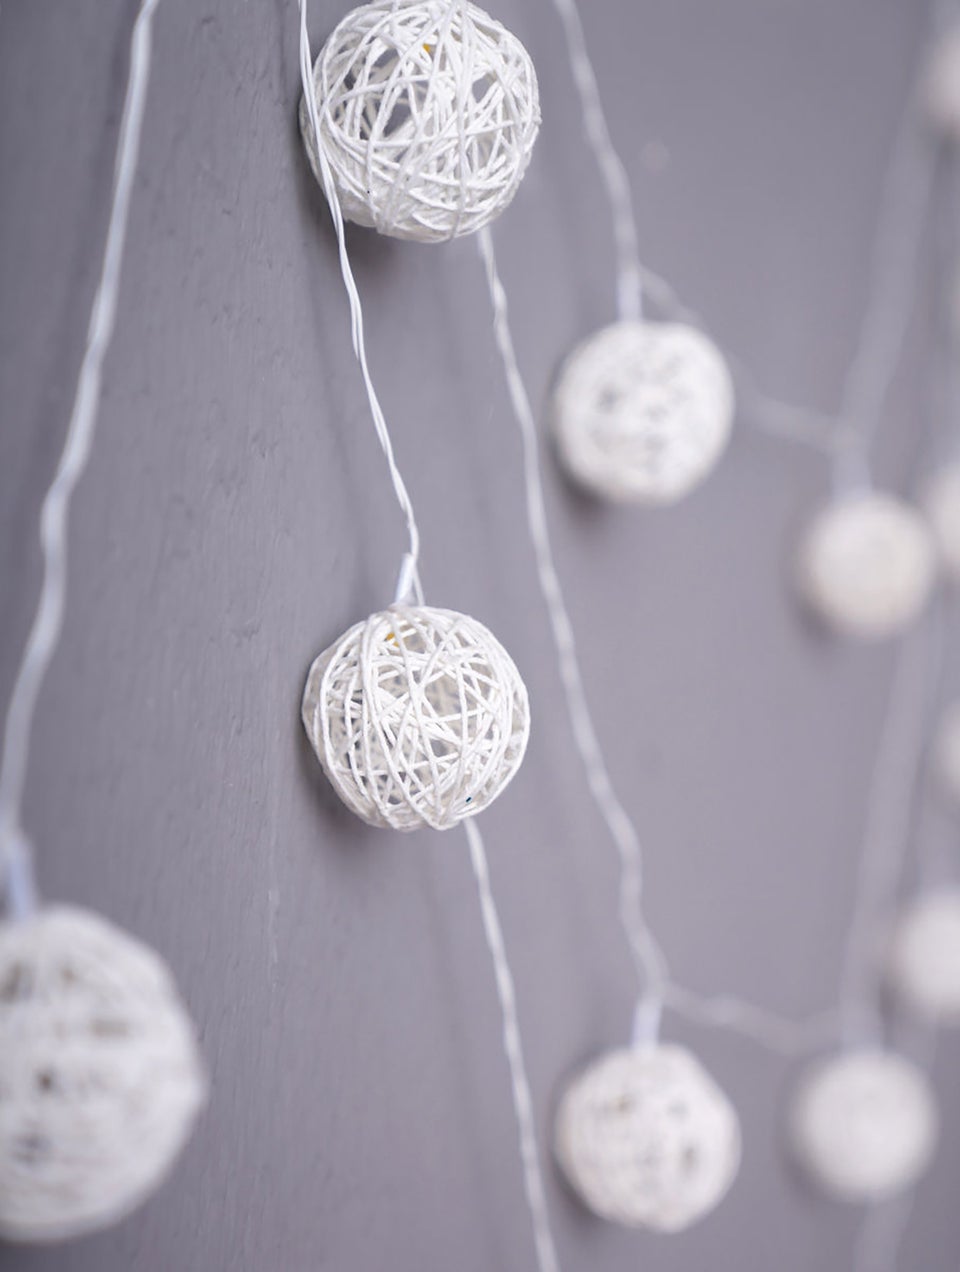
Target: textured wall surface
{"x":237,"y":516}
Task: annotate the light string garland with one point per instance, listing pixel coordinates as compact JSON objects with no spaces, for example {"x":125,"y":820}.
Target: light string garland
{"x":100,"y":1077}
{"x":409,"y":588}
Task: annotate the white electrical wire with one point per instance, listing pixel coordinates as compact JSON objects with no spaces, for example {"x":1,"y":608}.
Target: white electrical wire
{"x":16,"y":855}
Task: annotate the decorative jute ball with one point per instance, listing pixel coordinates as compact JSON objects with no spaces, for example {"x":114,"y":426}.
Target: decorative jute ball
{"x":947,"y":752}
{"x":646,"y":1138}
{"x":941,"y":503}
{"x":941,"y":85}
{"x":864,"y":1125}
{"x":100,"y":1078}
{"x":924,"y":962}
{"x":643,"y":411}
{"x":418,"y":716}
{"x":867,"y":565}
{"x":428,"y":111}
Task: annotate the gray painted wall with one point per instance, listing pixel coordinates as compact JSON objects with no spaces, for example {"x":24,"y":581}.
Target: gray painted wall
{"x":237,"y":516}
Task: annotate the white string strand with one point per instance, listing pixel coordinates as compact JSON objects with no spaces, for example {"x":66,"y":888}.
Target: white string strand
{"x":547,"y":1260}
{"x":409,"y":569}
{"x":16,"y":854}
{"x":657,"y":989}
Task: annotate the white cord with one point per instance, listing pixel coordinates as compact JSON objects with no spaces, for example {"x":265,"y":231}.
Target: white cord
{"x":16,"y":855}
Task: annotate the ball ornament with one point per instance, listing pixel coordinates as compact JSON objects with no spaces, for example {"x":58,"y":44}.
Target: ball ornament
{"x":418,"y":717}
{"x":941,"y":85}
{"x":428,"y":112}
{"x":867,"y":565}
{"x":947,"y":752}
{"x":924,"y":964}
{"x":643,"y":411}
{"x":942,"y":506}
{"x":647,"y":1139}
{"x":864,"y":1125}
{"x":100,"y":1079}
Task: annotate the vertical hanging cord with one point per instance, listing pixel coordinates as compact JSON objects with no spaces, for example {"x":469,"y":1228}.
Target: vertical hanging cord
{"x":523,"y":1105}
{"x":16,"y":855}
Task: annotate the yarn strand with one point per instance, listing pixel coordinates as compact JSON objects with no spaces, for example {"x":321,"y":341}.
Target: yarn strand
{"x":547,"y":1260}
{"x":16,"y":856}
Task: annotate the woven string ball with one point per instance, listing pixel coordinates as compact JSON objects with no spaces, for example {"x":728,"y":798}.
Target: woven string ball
{"x":924,"y":963}
{"x":947,"y":750}
{"x":642,"y":411}
{"x":864,"y":1125}
{"x":866,"y":565}
{"x":646,"y":1138}
{"x":942,"y":506}
{"x":941,"y":85}
{"x":100,"y":1079}
{"x":428,"y":112}
{"x":418,"y":717}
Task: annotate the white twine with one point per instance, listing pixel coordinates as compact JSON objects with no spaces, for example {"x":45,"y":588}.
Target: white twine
{"x":16,"y":854}
{"x":547,"y":1260}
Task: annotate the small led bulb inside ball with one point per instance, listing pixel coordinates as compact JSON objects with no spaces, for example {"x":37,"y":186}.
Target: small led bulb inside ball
{"x":864,"y":1125}
{"x":867,"y":565}
{"x":418,"y":717}
{"x":941,"y":85}
{"x":646,"y":1138}
{"x":924,"y":963}
{"x":428,"y":112}
{"x":100,"y":1078}
{"x":947,"y":752}
{"x":942,"y":505}
{"x":643,"y":411}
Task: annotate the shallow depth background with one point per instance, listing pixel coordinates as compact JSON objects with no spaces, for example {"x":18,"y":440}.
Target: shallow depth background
{"x":237,"y":516}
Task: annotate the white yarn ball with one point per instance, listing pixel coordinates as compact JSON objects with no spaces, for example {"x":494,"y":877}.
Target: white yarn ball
{"x":924,"y":964}
{"x":947,"y":749}
{"x":428,"y":113}
{"x":643,"y":411}
{"x":647,"y":1138}
{"x":942,"y":506}
{"x":418,"y":716}
{"x":941,"y":85}
{"x":100,"y":1079}
{"x":864,"y":1125}
{"x":867,"y":565}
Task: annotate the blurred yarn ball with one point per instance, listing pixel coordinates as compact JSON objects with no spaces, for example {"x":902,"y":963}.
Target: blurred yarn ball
{"x":947,"y":752}
{"x":428,"y":113}
{"x":643,"y":411}
{"x":418,"y":716}
{"x":941,"y":85}
{"x":924,"y":960}
{"x":864,"y":1125}
{"x":100,"y":1079}
{"x":867,"y":565}
{"x":941,"y":504}
{"x":647,"y":1139}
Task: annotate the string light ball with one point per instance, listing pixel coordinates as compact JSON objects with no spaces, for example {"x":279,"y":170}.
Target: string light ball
{"x":942,"y":507}
{"x":643,"y":411}
{"x":647,"y":1139}
{"x":864,"y":1125}
{"x":100,"y":1079}
{"x":428,"y":112}
{"x":947,"y":751}
{"x":941,"y":86}
{"x":924,"y":964}
{"x":418,"y":717}
{"x":867,"y":565}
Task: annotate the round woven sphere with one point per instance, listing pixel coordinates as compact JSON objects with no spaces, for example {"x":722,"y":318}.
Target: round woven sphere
{"x":947,"y":751}
{"x":100,"y":1079}
{"x":942,"y":506}
{"x":643,"y":411}
{"x":924,"y":964}
{"x":867,"y":565}
{"x":418,"y":717}
{"x":864,"y":1125}
{"x":941,"y":85}
{"x":646,"y":1138}
{"x":428,"y":113}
